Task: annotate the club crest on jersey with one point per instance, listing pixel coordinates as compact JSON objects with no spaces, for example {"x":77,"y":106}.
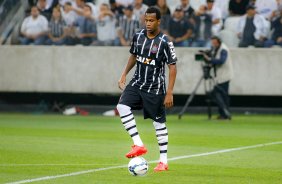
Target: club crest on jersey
{"x":146,"y":61}
{"x":154,"y":49}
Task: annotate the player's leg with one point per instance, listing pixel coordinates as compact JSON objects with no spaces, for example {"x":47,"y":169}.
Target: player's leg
{"x":129,"y":123}
{"x":155,"y":110}
{"x":129,"y":99}
{"x":162,"y":137}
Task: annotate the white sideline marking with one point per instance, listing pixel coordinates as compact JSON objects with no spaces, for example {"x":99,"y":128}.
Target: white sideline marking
{"x":124,"y":166}
{"x":16,"y":165}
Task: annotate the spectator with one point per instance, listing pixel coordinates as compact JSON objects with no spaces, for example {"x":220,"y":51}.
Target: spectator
{"x":79,"y":8}
{"x":150,"y":2}
{"x":50,"y":4}
{"x":87,"y":27}
{"x":276,"y":13}
{"x":32,"y":3}
{"x":116,"y":8}
{"x":197,"y":3}
{"x":238,"y":7}
{"x":63,"y":2}
{"x":165,"y":13}
{"x":57,"y":29}
{"x":34,"y":28}
{"x":251,"y":28}
{"x":95,"y":12}
{"x":164,"y":9}
{"x":215,"y":13}
{"x":127,"y":26}
{"x":276,"y":25}
{"x":139,"y":10}
{"x":178,"y":28}
{"x":203,"y":28}
{"x":80,"y":5}
{"x":105,"y":26}
{"x":266,"y":7}
{"x":223,"y":7}
{"x":279,"y":5}
{"x":187,"y":8}
{"x":125,"y":3}
{"x":68,"y":15}
{"x":73,"y":2}
{"x":44,"y":9}
{"x":70,"y":18}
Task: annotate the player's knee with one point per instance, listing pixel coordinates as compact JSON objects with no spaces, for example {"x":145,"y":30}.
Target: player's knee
{"x":158,"y":125}
{"x":123,"y":109}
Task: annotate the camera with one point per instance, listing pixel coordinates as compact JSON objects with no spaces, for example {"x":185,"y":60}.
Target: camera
{"x":200,"y":55}
{"x":206,"y":66}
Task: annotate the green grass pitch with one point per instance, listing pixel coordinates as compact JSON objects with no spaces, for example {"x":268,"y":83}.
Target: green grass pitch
{"x":36,"y":146}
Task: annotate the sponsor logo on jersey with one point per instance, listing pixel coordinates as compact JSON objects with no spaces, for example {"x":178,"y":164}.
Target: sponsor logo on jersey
{"x":172,"y":50}
{"x":146,"y":61}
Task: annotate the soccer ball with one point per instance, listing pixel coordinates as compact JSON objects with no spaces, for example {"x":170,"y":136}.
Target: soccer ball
{"x":138,"y":166}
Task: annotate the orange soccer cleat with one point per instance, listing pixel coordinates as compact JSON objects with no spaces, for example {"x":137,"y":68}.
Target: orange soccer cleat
{"x":161,"y":167}
{"x":136,"y":151}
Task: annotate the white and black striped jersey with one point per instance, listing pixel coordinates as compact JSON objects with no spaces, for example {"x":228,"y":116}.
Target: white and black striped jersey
{"x":151,"y":56}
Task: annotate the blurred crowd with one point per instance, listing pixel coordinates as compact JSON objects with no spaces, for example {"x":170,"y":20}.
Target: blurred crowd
{"x":71,"y":22}
{"x":5,"y":7}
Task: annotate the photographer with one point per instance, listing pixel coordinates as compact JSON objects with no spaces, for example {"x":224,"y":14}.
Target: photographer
{"x":222,"y":71}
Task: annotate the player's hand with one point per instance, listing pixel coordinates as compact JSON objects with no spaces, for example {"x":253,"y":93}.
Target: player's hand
{"x":168,"y":102}
{"x":121,"y":82}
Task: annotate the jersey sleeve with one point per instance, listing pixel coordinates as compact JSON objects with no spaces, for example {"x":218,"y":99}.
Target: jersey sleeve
{"x":170,"y":54}
{"x":133,"y":46}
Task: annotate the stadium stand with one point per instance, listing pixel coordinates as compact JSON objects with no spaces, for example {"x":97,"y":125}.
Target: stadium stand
{"x":13,"y":12}
{"x":231,"y":24}
{"x":8,"y":9}
{"x":229,"y":33}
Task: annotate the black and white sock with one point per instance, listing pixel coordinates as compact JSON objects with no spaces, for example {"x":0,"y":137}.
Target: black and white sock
{"x":129,"y":123}
{"x":162,"y":136}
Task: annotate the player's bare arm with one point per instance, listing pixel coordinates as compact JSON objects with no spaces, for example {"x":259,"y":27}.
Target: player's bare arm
{"x":130,"y":64}
{"x":168,"y":102}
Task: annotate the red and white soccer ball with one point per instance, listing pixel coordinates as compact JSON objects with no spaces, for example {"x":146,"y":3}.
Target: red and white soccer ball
{"x":138,"y":166}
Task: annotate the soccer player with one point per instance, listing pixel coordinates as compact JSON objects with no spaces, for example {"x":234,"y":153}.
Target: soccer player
{"x":150,"y":51}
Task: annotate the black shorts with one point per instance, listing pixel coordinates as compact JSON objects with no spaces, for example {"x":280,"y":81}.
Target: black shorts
{"x":152,"y":104}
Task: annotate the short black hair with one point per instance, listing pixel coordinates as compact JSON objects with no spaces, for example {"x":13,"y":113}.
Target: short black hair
{"x":218,"y":39}
{"x":155,"y":10}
